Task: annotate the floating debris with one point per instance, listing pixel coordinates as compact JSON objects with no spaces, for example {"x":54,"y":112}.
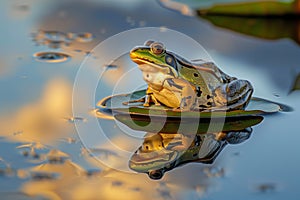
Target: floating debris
{"x":31,"y":149}
{"x":69,"y":140}
{"x":34,"y":145}
{"x":40,"y":176}
{"x":266,"y":187}
{"x":93,"y":172}
{"x":178,"y":7}
{"x":32,"y":153}
{"x":17,"y":133}
{"x":276,"y":94}
{"x":117,"y":183}
{"x":110,"y":67}
{"x":57,"y":156}
{"x":51,"y":57}
{"x":75,"y":119}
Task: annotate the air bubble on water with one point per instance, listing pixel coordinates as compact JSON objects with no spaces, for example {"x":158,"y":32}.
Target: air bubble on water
{"x":71,"y":36}
{"x":84,"y":37}
{"x":5,"y":168}
{"x":50,"y":35}
{"x":51,"y":57}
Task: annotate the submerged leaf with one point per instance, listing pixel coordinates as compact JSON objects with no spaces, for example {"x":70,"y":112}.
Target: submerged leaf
{"x":260,"y":27}
{"x":188,"y":125}
{"x":258,"y":8}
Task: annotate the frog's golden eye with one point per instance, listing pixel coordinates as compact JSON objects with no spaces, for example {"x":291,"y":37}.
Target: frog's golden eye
{"x":157,"y":48}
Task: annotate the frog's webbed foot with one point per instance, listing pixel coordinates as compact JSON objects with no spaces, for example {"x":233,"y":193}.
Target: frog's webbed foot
{"x":147,"y":100}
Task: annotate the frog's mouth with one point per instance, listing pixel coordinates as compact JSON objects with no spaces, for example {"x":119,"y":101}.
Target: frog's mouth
{"x":147,"y":161}
{"x":144,"y":61}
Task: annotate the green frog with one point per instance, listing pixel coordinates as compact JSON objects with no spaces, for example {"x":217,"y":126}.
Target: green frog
{"x":180,"y":84}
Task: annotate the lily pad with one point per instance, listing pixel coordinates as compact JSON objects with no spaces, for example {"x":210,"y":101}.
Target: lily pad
{"x":164,"y":119}
{"x":116,"y":105}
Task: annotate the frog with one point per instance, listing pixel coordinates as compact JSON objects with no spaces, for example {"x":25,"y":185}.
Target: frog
{"x":180,"y":84}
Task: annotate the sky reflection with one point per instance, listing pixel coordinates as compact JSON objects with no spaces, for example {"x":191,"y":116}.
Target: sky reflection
{"x":36,"y":109}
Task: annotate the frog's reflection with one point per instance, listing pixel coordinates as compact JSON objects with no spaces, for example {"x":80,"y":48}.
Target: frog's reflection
{"x":163,"y":152}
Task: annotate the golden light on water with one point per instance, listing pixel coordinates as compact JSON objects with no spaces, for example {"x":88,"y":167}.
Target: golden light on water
{"x":43,"y":120}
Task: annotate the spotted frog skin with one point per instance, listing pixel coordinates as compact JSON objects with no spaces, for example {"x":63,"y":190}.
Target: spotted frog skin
{"x":181,"y":84}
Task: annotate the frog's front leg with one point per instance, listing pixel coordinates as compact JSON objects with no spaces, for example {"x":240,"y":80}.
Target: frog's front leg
{"x":150,"y":97}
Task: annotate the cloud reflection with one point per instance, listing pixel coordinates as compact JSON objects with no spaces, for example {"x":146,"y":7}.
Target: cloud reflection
{"x":41,"y":121}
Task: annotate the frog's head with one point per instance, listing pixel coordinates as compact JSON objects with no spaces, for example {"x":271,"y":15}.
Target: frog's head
{"x":153,"y":157}
{"x":155,"y":62}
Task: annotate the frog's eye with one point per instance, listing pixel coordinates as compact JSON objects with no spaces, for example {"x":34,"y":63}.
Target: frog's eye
{"x":157,"y":48}
{"x":148,"y":43}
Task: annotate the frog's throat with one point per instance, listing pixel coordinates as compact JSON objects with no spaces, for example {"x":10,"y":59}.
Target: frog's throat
{"x":143,"y":61}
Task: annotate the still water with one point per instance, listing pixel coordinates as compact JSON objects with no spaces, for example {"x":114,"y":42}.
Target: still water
{"x":42,"y":156}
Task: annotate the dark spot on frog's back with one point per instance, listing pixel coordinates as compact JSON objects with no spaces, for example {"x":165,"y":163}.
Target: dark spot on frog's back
{"x":202,"y":106}
{"x":199,"y":92}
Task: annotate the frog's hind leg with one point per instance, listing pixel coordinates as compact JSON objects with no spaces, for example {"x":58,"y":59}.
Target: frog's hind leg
{"x":233,"y":95}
